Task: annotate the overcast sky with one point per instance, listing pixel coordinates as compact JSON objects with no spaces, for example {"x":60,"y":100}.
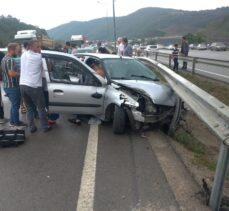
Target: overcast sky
{"x":50,"y":13}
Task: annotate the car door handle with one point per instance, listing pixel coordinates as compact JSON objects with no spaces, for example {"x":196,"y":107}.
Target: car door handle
{"x":58,"y":91}
{"x":97,"y":95}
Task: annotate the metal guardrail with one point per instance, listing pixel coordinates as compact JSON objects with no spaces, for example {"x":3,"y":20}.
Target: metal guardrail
{"x":194,"y":60}
{"x":211,"y":111}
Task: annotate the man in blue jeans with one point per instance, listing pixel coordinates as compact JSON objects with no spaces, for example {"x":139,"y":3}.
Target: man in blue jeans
{"x":11,"y":87}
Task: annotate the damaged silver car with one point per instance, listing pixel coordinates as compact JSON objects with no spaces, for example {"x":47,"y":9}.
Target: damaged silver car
{"x":127,"y":92}
{"x":134,"y":94}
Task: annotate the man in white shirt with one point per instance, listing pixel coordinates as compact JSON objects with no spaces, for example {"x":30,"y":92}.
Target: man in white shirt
{"x":31,"y":85}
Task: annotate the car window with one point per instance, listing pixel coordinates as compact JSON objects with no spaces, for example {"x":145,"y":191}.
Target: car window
{"x":64,"y":70}
{"x":127,"y":69}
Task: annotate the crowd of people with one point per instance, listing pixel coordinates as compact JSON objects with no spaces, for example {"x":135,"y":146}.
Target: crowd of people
{"x":22,"y":77}
{"x":25,"y":85}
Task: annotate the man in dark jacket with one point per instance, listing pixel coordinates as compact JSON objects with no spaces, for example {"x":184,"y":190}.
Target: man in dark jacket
{"x":127,"y":50}
{"x":184,"y":52}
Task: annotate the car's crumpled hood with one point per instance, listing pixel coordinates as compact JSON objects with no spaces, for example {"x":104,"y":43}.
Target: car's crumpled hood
{"x":159,"y":93}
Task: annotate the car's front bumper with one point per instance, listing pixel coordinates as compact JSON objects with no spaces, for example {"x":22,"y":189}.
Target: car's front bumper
{"x":150,"y":118}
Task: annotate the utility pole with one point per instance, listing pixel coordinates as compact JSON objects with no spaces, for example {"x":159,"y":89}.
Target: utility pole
{"x":114,"y":24}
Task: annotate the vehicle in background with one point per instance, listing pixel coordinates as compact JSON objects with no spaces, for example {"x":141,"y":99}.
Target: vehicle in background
{"x":151,"y":48}
{"x":139,"y":50}
{"x":218,"y":46}
{"x":154,"y":47}
{"x":170,"y":47}
{"x":142,"y":47}
{"x":193,"y":46}
{"x":201,"y":46}
{"x":3,"y":50}
{"x":27,"y":35}
{"x":87,"y":50}
{"x":135,"y":46}
{"x":78,"y":40}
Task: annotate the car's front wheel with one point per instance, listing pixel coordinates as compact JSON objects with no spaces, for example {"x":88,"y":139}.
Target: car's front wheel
{"x":119,"y":120}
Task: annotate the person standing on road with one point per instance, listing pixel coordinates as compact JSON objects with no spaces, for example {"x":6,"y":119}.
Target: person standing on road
{"x":67,"y":47}
{"x":17,"y":59}
{"x":11,"y":84}
{"x":101,"y":49}
{"x":31,"y":85}
{"x":73,"y":49}
{"x":184,"y":52}
{"x":127,"y":49}
{"x":175,"y":54}
{"x":1,"y":105}
{"x":120,"y":46}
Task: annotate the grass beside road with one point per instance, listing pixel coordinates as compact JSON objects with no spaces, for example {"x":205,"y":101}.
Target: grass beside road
{"x":202,"y":155}
{"x":218,"y":89}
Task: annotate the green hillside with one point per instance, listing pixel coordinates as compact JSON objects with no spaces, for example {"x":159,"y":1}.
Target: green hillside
{"x":149,"y":22}
{"x":146,"y":22}
{"x":9,"y":27}
{"x":218,"y":29}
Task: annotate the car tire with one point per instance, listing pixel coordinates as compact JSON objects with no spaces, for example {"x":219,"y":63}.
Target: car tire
{"x":119,"y":121}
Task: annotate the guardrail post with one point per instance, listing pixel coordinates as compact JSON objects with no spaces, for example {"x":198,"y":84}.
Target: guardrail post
{"x":221,"y":170}
{"x":156,"y":54}
{"x":170,"y":61}
{"x":193,"y":65}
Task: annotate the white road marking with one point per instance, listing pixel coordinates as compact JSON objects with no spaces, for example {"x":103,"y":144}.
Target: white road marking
{"x":87,"y":187}
{"x":201,"y":70}
{"x":220,"y":75}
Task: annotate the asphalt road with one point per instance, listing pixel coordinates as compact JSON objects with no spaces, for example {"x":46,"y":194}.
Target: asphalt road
{"x":215,"y":72}
{"x":83,"y":167}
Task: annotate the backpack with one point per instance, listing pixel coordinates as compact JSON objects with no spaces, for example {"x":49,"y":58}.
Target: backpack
{"x":11,"y":138}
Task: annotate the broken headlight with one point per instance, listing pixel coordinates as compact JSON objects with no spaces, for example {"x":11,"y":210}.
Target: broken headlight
{"x":146,"y":105}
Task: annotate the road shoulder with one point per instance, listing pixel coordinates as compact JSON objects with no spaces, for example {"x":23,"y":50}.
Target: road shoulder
{"x":185,"y":188}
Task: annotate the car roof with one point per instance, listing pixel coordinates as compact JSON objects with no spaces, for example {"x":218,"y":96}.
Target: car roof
{"x":103,"y":56}
{"x":48,"y":52}
{"x":98,"y":55}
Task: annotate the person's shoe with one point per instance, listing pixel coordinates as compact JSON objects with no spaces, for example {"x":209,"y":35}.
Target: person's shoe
{"x":75,"y":121}
{"x":51,"y":122}
{"x":11,"y":124}
{"x":21,"y":124}
{"x":47,"y":129}
{"x":33,"y":129}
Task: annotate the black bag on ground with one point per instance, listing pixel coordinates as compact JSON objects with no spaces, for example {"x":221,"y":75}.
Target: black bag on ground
{"x":10,"y":138}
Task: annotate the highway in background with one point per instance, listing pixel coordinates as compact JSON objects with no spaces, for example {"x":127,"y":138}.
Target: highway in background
{"x":218,"y":73}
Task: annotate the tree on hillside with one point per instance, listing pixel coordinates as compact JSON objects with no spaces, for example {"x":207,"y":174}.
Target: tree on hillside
{"x":195,"y":38}
{"x":10,"y":25}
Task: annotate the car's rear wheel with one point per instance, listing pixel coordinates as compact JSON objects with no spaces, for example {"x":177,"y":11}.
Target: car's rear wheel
{"x":119,"y":120}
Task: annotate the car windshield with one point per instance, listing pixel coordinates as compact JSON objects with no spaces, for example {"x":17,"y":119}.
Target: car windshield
{"x":127,"y":69}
